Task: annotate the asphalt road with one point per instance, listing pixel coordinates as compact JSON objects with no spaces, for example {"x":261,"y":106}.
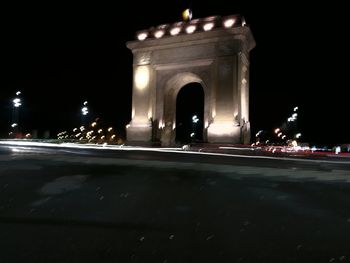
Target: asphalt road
{"x":86,"y":205}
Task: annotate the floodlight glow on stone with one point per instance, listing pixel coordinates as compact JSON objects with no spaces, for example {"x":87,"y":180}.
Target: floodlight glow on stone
{"x":142,"y":36}
{"x":141,"y":77}
{"x":229,"y":22}
{"x":175,"y":31}
{"x":208,"y":26}
{"x":190,"y":29}
{"x":159,"y":33}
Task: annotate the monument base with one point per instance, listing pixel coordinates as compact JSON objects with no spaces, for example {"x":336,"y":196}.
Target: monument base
{"x":246,"y":133}
{"x":224,"y":133}
{"x":139,"y":132}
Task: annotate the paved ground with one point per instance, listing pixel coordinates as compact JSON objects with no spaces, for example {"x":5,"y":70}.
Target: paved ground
{"x":86,"y":205}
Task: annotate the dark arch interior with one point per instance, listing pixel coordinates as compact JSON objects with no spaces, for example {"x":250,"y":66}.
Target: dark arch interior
{"x":190,"y":103}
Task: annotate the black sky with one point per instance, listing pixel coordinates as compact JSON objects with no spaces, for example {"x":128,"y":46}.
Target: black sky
{"x":59,"y":55}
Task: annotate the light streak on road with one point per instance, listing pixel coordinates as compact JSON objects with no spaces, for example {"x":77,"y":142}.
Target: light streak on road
{"x":167,"y":150}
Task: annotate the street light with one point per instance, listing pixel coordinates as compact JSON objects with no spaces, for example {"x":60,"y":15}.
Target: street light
{"x":17,"y":102}
{"x":85,"y":109}
{"x":195,"y":120}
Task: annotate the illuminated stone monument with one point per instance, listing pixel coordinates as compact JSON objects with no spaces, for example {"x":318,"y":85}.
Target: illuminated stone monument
{"x":212,"y":51}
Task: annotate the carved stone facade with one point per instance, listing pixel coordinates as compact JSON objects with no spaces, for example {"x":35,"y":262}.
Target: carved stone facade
{"x":217,"y":59}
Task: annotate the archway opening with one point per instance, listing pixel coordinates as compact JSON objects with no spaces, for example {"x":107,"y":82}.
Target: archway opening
{"x":190,"y":113}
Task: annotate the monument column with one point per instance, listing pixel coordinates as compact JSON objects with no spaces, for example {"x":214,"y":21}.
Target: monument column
{"x":225,"y":127}
{"x":140,"y":127}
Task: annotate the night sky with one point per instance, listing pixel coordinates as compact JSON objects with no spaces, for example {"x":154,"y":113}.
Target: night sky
{"x":61,"y":55}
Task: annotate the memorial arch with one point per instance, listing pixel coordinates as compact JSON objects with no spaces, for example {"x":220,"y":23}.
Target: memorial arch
{"x":213,"y":52}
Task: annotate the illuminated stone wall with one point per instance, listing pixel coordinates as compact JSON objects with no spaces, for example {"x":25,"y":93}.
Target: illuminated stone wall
{"x":212,"y":51}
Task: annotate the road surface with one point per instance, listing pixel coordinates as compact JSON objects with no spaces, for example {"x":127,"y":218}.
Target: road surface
{"x":90,"y":205}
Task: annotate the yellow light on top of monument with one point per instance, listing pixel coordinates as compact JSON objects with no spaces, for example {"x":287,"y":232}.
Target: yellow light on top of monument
{"x":159,"y":33}
{"x":229,"y":22}
{"x":141,"y":77}
{"x":142,"y":36}
{"x":190,"y":29}
{"x":175,"y":31}
{"x":208,"y":26}
{"x":187,"y":14}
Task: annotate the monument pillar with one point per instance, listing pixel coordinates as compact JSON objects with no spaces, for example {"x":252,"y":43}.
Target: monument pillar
{"x":225,"y":127}
{"x":140,"y":127}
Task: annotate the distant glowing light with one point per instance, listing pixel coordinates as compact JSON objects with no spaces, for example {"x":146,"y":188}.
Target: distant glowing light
{"x":110,"y":129}
{"x":18,"y":93}
{"x":142,"y":36}
{"x":195,"y":119}
{"x":244,"y":23}
{"x":283,"y":137}
{"x":85,"y":103}
{"x":141,"y":77}
{"x":277,"y":130}
{"x":99,"y":131}
{"x":229,"y":22}
{"x":159,"y":33}
{"x":175,"y":31}
{"x":190,"y":29}
{"x":208,"y":26}
{"x":295,"y":115}
{"x":298,"y":135}
{"x":192,"y":134}
{"x":258,"y":133}
{"x":14,"y":125}
{"x":296,"y":108}
{"x":93,"y":124}
{"x":337,"y":150}
{"x":85,"y":110}
{"x":279,"y":134}
{"x":17,"y":102}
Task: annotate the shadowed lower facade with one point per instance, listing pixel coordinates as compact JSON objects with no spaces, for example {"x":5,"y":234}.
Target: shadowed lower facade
{"x":213,"y":52}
